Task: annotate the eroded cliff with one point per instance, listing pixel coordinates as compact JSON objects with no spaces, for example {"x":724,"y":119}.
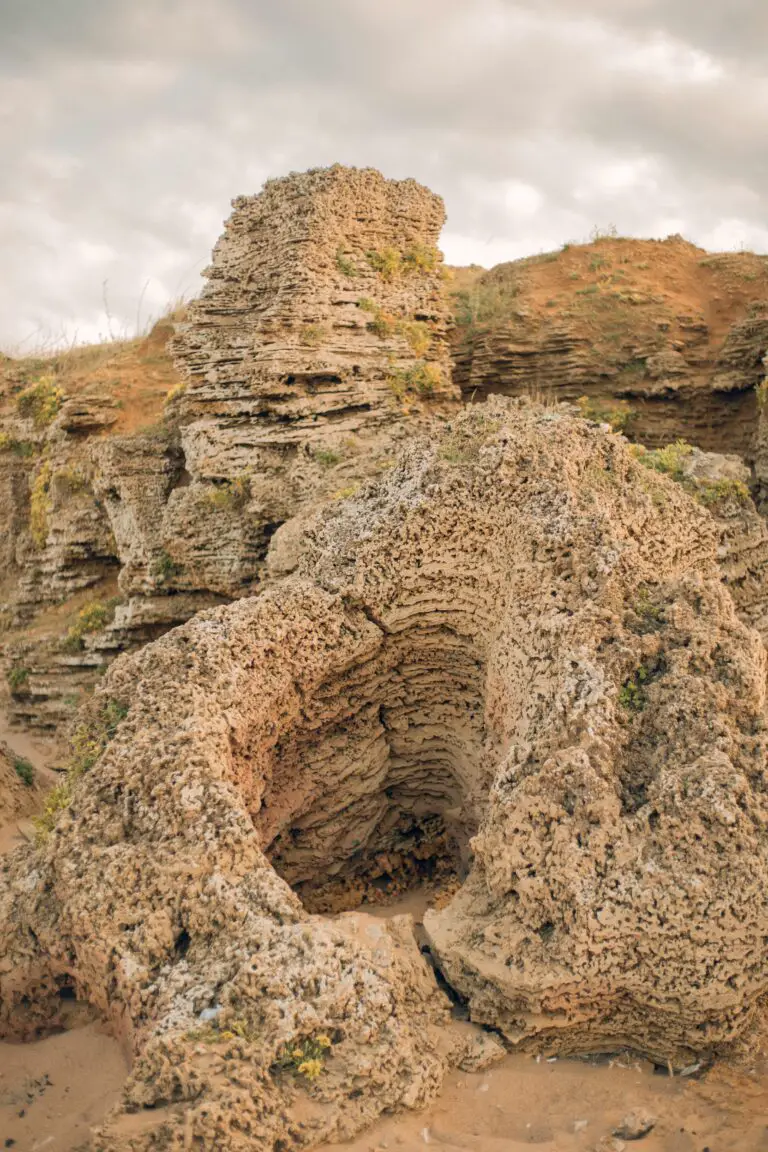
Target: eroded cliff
{"x":667,"y":337}
{"x":318,"y":341}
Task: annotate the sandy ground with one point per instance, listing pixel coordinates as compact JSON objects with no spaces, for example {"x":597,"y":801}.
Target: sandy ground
{"x":53,"y":1091}
{"x":573,"y":1106}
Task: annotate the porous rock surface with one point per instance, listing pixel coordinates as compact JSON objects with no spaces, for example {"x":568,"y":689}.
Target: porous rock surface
{"x":317,"y":342}
{"x":516,"y":648}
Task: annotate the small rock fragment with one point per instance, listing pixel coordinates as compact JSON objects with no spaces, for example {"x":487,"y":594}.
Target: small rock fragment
{"x":482,"y":1051}
{"x":635,"y":1125}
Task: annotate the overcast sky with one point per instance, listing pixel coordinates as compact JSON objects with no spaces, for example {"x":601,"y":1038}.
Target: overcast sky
{"x":126,"y":126}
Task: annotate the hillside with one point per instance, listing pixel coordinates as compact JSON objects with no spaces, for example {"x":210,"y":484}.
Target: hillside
{"x":669,"y":334}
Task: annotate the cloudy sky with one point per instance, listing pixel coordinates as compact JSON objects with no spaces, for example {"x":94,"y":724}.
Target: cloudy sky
{"x":126,"y":126}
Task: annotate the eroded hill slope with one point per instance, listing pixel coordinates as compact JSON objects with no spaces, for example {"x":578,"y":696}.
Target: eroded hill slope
{"x":671,"y":334}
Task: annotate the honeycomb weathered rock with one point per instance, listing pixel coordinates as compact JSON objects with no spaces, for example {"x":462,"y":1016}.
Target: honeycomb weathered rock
{"x":519,"y":634}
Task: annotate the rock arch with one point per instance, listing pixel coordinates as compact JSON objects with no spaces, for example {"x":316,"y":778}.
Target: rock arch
{"x":519,"y":622}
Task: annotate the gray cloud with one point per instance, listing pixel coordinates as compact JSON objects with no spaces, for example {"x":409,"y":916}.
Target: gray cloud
{"x":125,"y":129}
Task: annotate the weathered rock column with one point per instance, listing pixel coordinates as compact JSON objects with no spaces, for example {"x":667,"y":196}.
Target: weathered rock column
{"x":323,"y":303}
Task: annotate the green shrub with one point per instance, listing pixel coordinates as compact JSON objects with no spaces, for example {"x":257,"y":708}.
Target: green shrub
{"x":304,"y":1057}
{"x":345,"y":493}
{"x":421,"y":379}
{"x":344,"y":265}
{"x":646,"y":609}
{"x":175,"y":392}
{"x":618,"y":417}
{"x":632,"y":695}
{"x":92,"y":617}
{"x":382,"y":324}
{"x":72,"y":478}
{"x":165,"y":568}
{"x":24,"y":771}
{"x":40,"y":402}
{"x":417,"y":334}
{"x":420,"y":258}
{"x":17,"y":677}
{"x":231,"y":494}
{"x":326,"y":457}
{"x":388,"y":263}
{"x":312,"y":335}
{"x":670,"y":460}
{"x":21,"y":448}
{"x":711,"y":492}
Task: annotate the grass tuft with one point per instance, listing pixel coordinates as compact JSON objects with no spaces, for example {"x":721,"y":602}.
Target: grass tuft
{"x":343,"y":263}
{"x":17,"y":676}
{"x":40,"y":402}
{"x":24,"y":771}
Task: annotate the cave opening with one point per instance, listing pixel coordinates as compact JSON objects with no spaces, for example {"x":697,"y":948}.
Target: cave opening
{"x":374,"y":797}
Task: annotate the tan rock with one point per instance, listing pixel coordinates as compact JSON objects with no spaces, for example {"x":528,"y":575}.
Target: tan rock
{"x":461,"y":670}
{"x":19,"y":786}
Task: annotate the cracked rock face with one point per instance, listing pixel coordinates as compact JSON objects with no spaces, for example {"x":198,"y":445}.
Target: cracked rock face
{"x":515,"y":652}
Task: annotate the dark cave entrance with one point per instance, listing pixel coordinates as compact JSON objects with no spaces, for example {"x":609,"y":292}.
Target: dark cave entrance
{"x":416,"y":855}
{"x":374,"y":797}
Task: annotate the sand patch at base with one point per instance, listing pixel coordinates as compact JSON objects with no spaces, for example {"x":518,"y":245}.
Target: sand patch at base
{"x":53,"y":1091}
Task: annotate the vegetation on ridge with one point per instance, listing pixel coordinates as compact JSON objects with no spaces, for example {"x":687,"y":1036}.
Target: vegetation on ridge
{"x":90,"y":739}
{"x":92,"y":617}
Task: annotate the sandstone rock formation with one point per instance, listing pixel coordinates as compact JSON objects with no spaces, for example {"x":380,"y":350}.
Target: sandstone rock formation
{"x":665,"y":331}
{"x":513,"y":654}
{"x":318,"y":339}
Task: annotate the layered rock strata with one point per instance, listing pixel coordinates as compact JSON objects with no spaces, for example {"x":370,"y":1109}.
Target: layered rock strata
{"x":514,"y":649}
{"x":662,"y":330}
{"x":319,"y":337}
